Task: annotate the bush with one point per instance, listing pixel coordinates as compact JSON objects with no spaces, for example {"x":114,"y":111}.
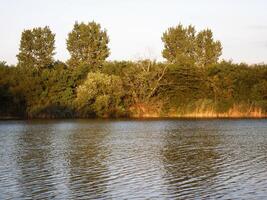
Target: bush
{"x":100,"y":95}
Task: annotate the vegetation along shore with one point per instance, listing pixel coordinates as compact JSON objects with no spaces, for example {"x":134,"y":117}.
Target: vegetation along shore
{"x":192,"y":82}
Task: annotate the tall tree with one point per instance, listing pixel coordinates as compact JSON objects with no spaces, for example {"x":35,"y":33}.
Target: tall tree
{"x":184,"y":46}
{"x":179,"y":45}
{"x":208,"y":51}
{"x":37,"y":48}
{"x":88,"y":44}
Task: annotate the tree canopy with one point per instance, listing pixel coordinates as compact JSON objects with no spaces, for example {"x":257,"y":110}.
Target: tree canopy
{"x":88,"y":44}
{"x":184,"y":46}
{"x":193,"y":82}
{"x":37,"y":48}
{"x":100,"y":94}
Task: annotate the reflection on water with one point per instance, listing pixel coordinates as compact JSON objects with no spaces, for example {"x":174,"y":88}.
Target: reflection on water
{"x":86,"y":157}
{"x":191,"y":161}
{"x":121,"y":159}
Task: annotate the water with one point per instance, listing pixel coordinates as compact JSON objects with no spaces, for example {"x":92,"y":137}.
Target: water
{"x":142,"y":159}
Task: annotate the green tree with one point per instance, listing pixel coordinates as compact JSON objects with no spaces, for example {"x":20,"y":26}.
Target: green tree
{"x":184,"y":46}
{"x":12,"y":96}
{"x":259,"y":93}
{"x":6,"y":96}
{"x":184,"y":84}
{"x":100,"y":94}
{"x":37,"y":48}
{"x":143,"y":80}
{"x":179,"y":45}
{"x":88,"y":44}
{"x":58,"y":94}
{"x":208,"y":51}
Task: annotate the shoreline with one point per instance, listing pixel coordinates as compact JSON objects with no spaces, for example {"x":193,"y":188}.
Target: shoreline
{"x":138,"y":118}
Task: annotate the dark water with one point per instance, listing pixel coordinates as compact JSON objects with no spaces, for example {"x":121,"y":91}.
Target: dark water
{"x":156,"y":159}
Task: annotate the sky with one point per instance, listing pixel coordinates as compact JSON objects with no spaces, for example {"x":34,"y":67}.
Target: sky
{"x":135,"y":27}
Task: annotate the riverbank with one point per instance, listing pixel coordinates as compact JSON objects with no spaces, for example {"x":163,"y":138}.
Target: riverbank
{"x":11,"y":118}
{"x":155,"y":111}
{"x":149,"y":116}
{"x":201,"y":111}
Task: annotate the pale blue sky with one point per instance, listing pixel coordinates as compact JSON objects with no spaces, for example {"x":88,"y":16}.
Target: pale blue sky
{"x":135,"y":26}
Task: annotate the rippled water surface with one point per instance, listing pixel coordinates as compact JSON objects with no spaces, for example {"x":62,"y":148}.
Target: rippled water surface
{"x":122,"y":159}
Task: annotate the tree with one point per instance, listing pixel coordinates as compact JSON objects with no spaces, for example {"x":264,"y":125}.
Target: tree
{"x":100,"y":94}
{"x":179,"y":45}
{"x":88,"y":44}
{"x":11,"y":101}
{"x":143,"y":80}
{"x":37,"y":48}
{"x":184,"y":84}
{"x":183,"y":46}
{"x":208,"y":51}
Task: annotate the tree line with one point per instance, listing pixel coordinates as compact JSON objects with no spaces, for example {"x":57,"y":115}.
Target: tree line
{"x":191,"y":82}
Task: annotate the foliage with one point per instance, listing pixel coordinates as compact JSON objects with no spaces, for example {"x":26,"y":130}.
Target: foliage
{"x":100,"y":94}
{"x":37,"y":48}
{"x":179,"y":45}
{"x":208,"y":51}
{"x":88,"y":44}
{"x":12,"y":103}
{"x":143,"y":80}
{"x":185,"y":84}
{"x":183,"y":46}
{"x":192,"y":81}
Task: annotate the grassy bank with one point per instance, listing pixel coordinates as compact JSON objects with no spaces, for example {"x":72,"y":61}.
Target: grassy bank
{"x":204,"y":111}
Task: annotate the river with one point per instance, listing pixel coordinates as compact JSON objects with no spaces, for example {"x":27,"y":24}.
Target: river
{"x":133,"y":159}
